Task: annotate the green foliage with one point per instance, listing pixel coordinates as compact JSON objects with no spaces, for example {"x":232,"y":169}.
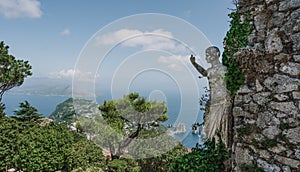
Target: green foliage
{"x":284,"y":126}
{"x":244,"y":130}
{"x":129,"y":117}
{"x":124,"y":165}
{"x":268,"y":143}
{"x":118,"y":165}
{"x":43,"y":148}
{"x":132,"y":109}
{"x":9,"y":132}
{"x":162,"y":162}
{"x":27,"y":112}
{"x":12,"y":71}
{"x":48,"y":148}
{"x":65,"y":111}
{"x":210,"y":157}
{"x":282,"y":137}
{"x":85,"y":154}
{"x":79,"y":127}
{"x":255,"y":143}
{"x":90,"y":169}
{"x":205,"y":103}
{"x":236,"y":38}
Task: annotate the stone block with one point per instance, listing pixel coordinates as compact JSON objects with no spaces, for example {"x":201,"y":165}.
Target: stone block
{"x":276,"y":20}
{"x":242,"y":155}
{"x":268,"y":167}
{"x":286,"y":107}
{"x":258,"y":86}
{"x":282,"y":83}
{"x":290,"y":68}
{"x":297,"y":58}
{"x":261,"y":98}
{"x":293,"y":135}
{"x":288,"y":4}
{"x":271,"y":132}
{"x":278,"y":149}
{"x":286,"y":169}
{"x":296,"y":41}
{"x":296,"y":95}
{"x":273,"y":42}
{"x":282,"y":57}
{"x":244,"y":90}
{"x":266,"y":119}
{"x":281,"y":97}
{"x":287,"y":161}
{"x":297,"y":154}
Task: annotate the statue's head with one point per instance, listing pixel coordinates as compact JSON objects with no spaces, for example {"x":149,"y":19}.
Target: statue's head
{"x":212,"y":54}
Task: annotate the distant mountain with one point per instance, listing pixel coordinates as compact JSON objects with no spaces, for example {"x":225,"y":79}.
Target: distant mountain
{"x":45,"y":86}
{"x":67,"y":110}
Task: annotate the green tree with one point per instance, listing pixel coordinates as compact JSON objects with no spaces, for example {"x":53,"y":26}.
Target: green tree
{"x":12,"y":71}
{"x":27,"y":112}
{"x":128,"y":117}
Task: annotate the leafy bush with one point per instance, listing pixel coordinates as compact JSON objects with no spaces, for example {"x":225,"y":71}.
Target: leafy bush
{"x":85,"y":154}
{"x":209,"y":157}
{"x":43,"y":148}
{"x":118,"y":165}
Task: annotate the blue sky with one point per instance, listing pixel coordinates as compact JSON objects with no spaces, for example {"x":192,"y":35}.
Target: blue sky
{"x":51,"y":33}
{"x":147,"y":53}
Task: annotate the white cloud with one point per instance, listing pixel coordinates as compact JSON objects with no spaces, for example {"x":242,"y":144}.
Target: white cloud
{"x":158,"y":39}
{"x":65,"y":32}
{"x":69,"y":73}
{"x":63,"y":74}
{"x":20,"y":8}
{"x":174,"y":62}
{"x":114,"y":37}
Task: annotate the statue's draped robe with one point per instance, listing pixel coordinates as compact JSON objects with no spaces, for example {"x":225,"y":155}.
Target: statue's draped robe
{"x":217,"y":117}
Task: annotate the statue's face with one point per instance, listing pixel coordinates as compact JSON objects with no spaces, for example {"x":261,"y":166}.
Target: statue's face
{"x":210,"y":57}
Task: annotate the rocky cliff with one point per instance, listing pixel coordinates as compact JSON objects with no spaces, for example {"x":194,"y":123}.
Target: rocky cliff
{"x":266,"y":109}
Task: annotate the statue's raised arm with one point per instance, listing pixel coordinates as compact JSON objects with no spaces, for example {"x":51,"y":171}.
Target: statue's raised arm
{"x":199,"y":68}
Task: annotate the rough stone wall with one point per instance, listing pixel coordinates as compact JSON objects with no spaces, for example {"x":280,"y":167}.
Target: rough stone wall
{"x":266,"y":110}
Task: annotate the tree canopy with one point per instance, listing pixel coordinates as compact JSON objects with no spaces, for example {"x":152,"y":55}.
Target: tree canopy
{"x":12,"y":71}
{"x":28,"y":146}
{"x":130,"y":116}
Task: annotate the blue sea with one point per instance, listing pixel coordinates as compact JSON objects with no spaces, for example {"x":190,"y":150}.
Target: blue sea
{"x":47,"y":104}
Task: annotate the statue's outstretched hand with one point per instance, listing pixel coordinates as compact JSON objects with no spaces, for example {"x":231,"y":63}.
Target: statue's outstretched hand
{"x":200,"y":69}
{"x":192,"y":58}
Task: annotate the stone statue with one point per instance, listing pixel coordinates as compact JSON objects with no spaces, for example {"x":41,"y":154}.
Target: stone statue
{"x":219,"y":103}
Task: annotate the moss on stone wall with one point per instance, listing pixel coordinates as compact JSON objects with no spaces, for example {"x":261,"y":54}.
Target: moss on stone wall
{"x":236,"y":38}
